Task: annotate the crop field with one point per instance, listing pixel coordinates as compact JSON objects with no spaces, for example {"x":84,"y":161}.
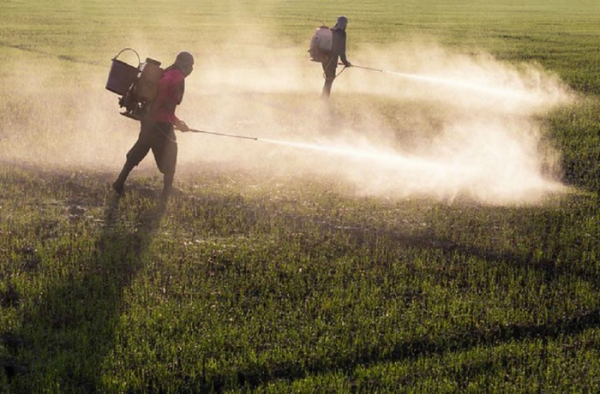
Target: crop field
{"x":433,"y":227}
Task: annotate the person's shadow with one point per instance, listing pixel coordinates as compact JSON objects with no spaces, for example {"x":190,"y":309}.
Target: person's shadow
{"x":67,"y":335}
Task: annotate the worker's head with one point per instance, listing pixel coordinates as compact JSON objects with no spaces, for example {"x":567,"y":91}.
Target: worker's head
{"x":185,"y":62}
{"x":341,"y":24}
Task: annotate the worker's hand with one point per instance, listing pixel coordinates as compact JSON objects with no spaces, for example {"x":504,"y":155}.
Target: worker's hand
{"x":181,"y":126}
{"x":348,"y":64}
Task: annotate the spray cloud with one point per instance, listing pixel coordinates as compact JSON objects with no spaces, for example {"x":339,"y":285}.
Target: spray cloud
{"x":426,"y":122}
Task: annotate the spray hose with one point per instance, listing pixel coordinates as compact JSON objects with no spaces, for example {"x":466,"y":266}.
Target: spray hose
{"x":341,"y":71}
{"x":336,"y":75}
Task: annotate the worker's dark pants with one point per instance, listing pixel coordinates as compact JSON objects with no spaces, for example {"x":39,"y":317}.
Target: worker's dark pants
{"x":329,"y":68}
{"x":160,"y":138}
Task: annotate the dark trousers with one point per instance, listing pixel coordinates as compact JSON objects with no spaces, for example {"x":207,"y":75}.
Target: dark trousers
{"x":329,"y":68}
{"x":160,"y":138}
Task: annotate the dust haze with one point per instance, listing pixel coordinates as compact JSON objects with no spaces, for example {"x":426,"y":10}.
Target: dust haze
{"x":426,"y":122}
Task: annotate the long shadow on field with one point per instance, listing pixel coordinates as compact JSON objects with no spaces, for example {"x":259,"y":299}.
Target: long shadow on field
{"x":460,"y":341}
{"x":70,"y":331}
{"x":414,"y":349}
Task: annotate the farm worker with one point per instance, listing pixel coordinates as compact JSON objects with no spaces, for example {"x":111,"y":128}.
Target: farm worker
{"x":338,"y":52}
{"x":157,"y":126}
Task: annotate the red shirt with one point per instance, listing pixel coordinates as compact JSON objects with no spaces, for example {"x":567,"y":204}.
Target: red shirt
{"x":168,"y":95}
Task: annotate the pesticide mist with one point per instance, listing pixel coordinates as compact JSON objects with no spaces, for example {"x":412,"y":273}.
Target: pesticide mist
{"x":424,"y":122}
{"x":430,"y":123}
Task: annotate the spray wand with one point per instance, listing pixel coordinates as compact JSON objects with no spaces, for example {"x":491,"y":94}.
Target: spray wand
{"x":391,"y":72}
{"x":369,"y":68}
{"x":223,"y":134}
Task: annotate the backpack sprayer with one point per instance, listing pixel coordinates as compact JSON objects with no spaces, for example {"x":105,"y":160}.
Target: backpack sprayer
{"x":136,"y":85}
{"x":321,"y":44}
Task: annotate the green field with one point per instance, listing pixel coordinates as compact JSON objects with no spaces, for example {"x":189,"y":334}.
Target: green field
{"x":466,"y":261}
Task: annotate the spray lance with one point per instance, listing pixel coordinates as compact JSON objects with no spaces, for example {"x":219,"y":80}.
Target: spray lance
{"x":223,"y":134}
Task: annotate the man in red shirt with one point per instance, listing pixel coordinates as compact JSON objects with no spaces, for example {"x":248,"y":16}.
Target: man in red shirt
{"x":157,"y":127}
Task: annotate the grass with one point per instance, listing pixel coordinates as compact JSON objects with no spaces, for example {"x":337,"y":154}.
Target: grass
{"x":292,"y":283}
{"x":231,"y":290}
